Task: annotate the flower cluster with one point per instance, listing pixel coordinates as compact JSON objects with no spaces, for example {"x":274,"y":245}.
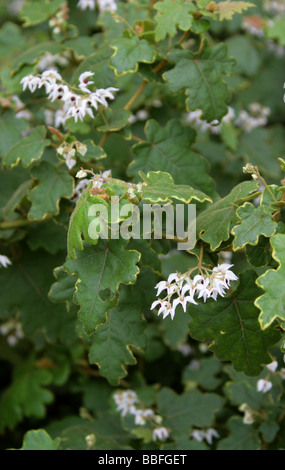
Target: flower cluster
{"x":68,"y":151}
{"x":103,"y":5}
{"x":199,"y":435}
{"x":4,"y":261}
{"x":277,"y":50}
{"x":274,"y":6}
{"x":256,"y":117}
{"x":128,"y":403}
{"x":254,"y":25}
{"x":215,"y":126}
{"x":249,"y":417}
{"x":74,"y":105}
{"x":205,"y":285}
{"x":58,"y":22}
{"x":98,"y":180}
{"x":12,"y":329}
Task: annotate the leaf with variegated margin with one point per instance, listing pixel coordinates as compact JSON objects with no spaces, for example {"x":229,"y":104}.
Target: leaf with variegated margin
{"x":215,"y":222}
{"x":160,"y":187}
{"x":169,"y":147}
{"x":27,"y":150}
{"x":53,"y":181}
{"x":172,"y":14}
{"x":272,"y":302}
{"x":227,"y":9}
{"x":254,"y":222}
{"x":129,"y":52}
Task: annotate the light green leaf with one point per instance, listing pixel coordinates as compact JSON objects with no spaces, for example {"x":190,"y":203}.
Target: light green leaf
{"x":172,"y":14}
{"x":254,"y":221}
{"x":54,"y":182}
{"x":227,"y":9}
{"x":160,"y":187}
{"x":101,"y":268}
{"x":214,"y":223}
{"x":201,"y":77}
{"x":276,"y":30}
{"x":272,"y":302}
{"x":33,"y":13}
{"x":232,"y":325}
{"x":28,"y":149}
{"x":39,"y":440}
{"x":80,"y":221}
{"x":169,"y":148}
{"x":129,"y":52}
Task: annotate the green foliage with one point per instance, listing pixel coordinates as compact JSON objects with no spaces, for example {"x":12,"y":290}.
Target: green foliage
{"x":172,"y":14}
{"x":182,"y":104}
{"x":201,"y":76}
{"x":232,"y":326}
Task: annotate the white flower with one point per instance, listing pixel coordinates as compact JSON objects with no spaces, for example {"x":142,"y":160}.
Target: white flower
{"x":184,"y":349}
{"x":209,"y":434}
{"x":141,"y":415}
{"x":199,"y":435}
{"x":264,"y":385}
{"x":80,"y":187}
{"x":160,"y":434}
{"x":81,"y":174}
{"x":105,"y":5}
{"x":4,"y":261}
{"x":84,"y":4}
{"x":74,"y":105}
{"x":81,"y":149}
{"x":273,"y":366}
{"x":248,"y":414}
{"x":84,"y":82}
{"x":125,"y":401}
{"x":205,"y":286}
{"x":31,"y":82}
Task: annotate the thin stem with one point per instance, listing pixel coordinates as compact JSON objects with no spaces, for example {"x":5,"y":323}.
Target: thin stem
{"x":136,"y":95}
{"x":185,"y":35}
{"x":104,"y":138}
{"x":19,"y":223}
{"x":144,"y":84}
